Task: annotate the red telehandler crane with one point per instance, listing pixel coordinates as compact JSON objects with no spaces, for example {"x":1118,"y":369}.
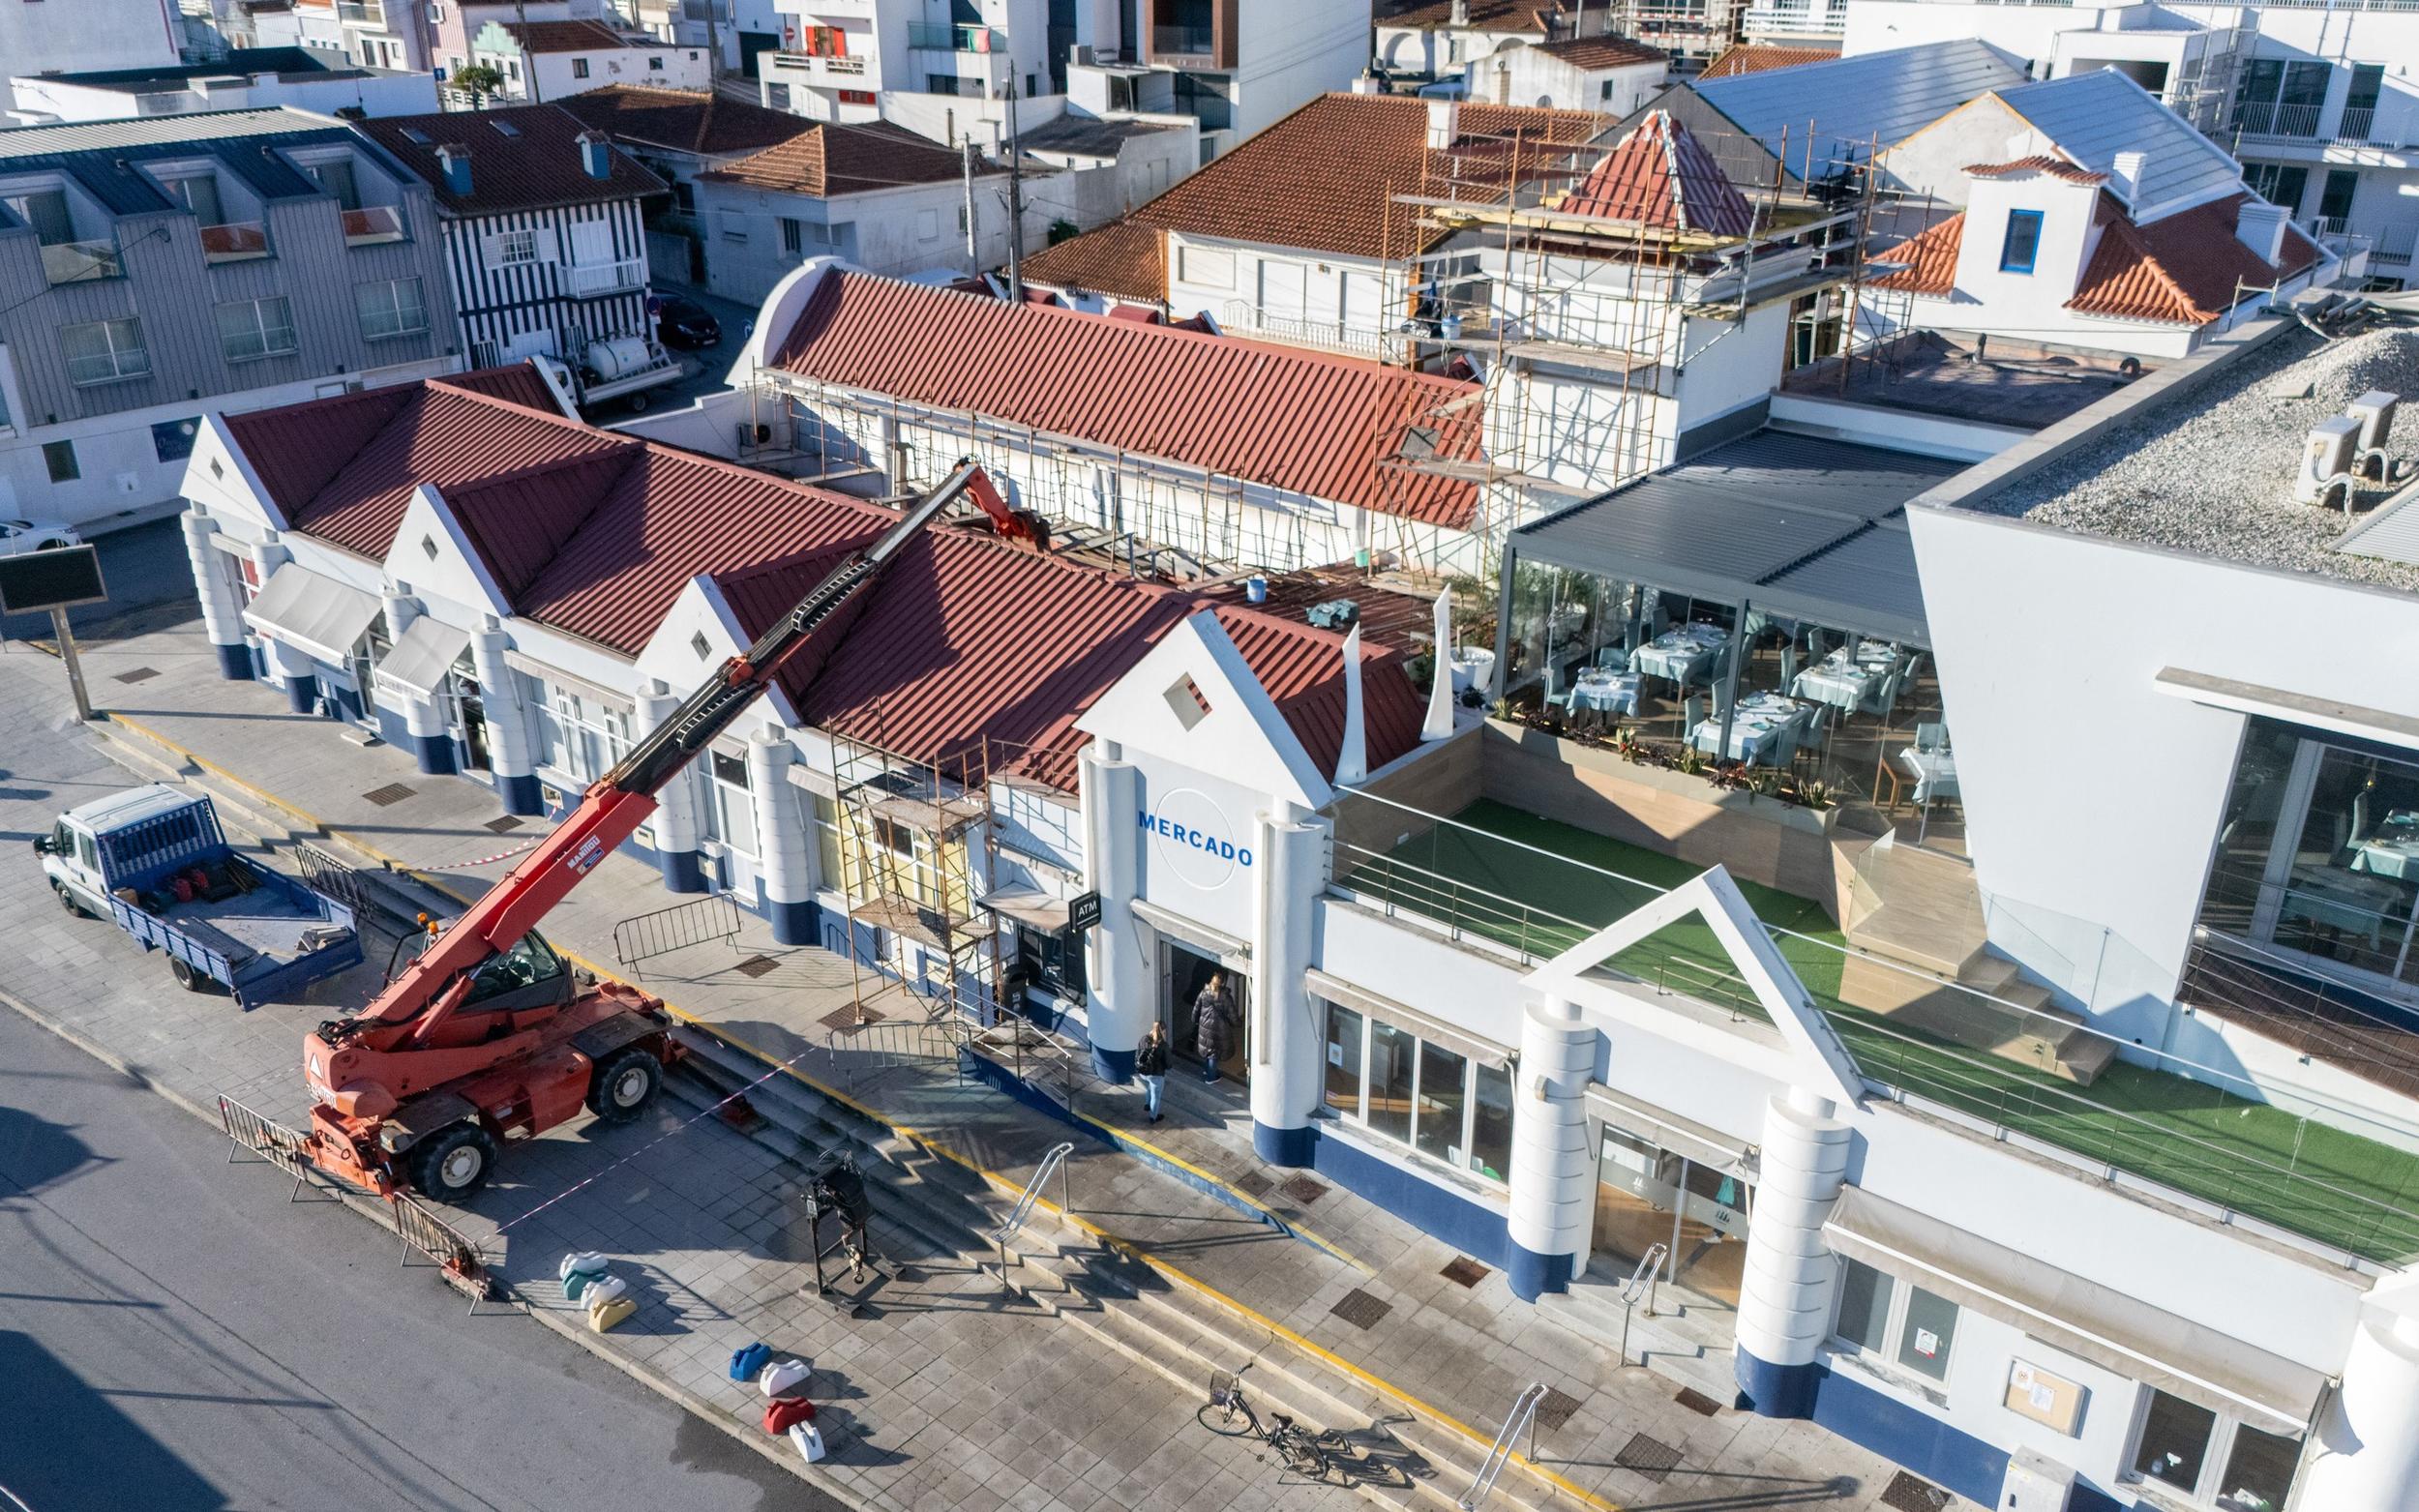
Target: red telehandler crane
{"x":488,"y":1035}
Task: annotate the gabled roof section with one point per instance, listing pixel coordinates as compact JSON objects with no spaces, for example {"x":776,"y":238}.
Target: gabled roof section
{"x":1848,"y":105}
{"x":831,"y":159}
{"x":1125,"y":259}
{"x":1605,"y":50}
{"x":1661,"y":176}
{"x":1284,"y":417}
{"x":2184,"y":269}
{"x":515,"y":383}
{"x":1301,"y":669}
{"x":297,"y":449}
{"x":2039,"y":163}
{"x":523,"y":157}
{"x":1484,"y":15}
{"x":1749,"y":57}
{"x":1930,"y":257}
{"x":546,"y":37}
{"x":681,"y":120}
{"x":2094,"y":116}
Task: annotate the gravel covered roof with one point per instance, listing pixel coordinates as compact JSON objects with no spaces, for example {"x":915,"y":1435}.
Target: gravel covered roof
{"x":2211,"y":471}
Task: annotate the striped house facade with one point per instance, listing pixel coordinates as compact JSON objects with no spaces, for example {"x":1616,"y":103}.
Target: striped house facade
{"x":548,"y":282}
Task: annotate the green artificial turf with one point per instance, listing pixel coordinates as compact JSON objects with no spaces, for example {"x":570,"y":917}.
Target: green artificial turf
{"x":2261,"y":1160}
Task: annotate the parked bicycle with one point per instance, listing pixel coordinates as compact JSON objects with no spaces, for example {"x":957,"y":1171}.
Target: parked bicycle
{"x":1327,"y":1456}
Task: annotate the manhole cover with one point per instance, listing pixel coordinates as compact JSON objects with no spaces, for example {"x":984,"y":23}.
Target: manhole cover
{"x":1908,"y":1492}
{"x":1555,"y":1407}
{"x":1697,"y":1401}
{"x":1360,"y":1309}
{"x":503,"y":824}
{"x":1304,"y":1189}
{"x":756,"y":965}
{"x":140,"y":674}
{"x":1463,"y":1271}
{"x":1253,"y":1183}
{"x":392,"y":792}
{"x":850,"y":1017}
{"x":1650,"y":1457}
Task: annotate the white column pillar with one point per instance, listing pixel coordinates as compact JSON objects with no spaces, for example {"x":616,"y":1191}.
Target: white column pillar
{"x":423,"y":718}
{"x":1119,"y":1006}
{"x":222,"y":617}
{"x":297,"y":671}
{"x":1288,"y":1068}
{"x":782,"y":854}
{"x":676,"y":820}
{"x":1784,"y":1301}
{"x":512,"y":741}
{"x":2367,"y":1450}
{"x":1552,"y":1183}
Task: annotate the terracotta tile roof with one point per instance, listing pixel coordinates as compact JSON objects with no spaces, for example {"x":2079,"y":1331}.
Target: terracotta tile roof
{"x":1283,"y":417}
{"x":544,"y":37}
{"x":1606,"y":51}
{"x":831,"y":159}
{"x":1123,"y":259}
{"x":681,"y":120}
{"x":1502,"y":16}
{"x":2185,"y":269}
{"x":2039,"y":163}
{"x":1930,"y":257}
{"x":534,"y":167}
{"x":1661,"y":175}
{"x":1747,"y":57}
{"x":1324,"y":178}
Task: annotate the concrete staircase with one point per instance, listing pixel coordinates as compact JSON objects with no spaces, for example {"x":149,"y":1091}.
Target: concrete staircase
{"x":1919,"y":958}
{"x":1112,"y":1298}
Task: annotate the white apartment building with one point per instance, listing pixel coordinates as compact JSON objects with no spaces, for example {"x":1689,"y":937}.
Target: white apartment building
{"x":97,"y":34}
{"x":1612,"y":76}
{"x":1438,"y":38}
{"x":243,"y":79}
{"x":545,"y":61}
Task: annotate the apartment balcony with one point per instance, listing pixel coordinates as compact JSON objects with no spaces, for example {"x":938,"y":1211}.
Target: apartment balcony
{"x":372,"y":225}
{"x":1797,"y":21}
{"x":237,"y":240}
{"x":2395,"y":243}
{"x":1169,"y":43}
{"x":2269,"y":118}
{"x":595,"y":280}
{"x":849,"y":67}
{"x":76,"y":262}
{"x":933,"y":37}
{"x":362,"y":13}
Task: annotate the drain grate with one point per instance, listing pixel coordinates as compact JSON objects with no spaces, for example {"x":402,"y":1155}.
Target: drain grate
{"x":1908,"y":1493}
{"x":1697,"y":1401}
{"x":846,"y":1019}
{"x":1253,"y":1183}
{"x":1554,"y":1409}
{"x":140,"y":674}
{"x":1650,"y":1457}
{"x":503,"y":824}
{"x":1361,"y":1310}
{"x":1463,"y":1271}
{"x":1304,"y":1189}
{"x":755,"y":967}
{"x":391,"y":793}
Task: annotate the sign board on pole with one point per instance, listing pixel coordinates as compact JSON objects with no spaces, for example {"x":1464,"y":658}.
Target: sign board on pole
{"x":53,"y":580}
{"x":1082,"y":912}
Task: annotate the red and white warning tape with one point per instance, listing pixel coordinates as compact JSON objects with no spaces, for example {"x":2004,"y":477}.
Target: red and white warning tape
{"x":465,"y":866}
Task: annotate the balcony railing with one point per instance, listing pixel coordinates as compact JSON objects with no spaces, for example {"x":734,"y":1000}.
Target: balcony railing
{"x":362,"y":13}
{"x":2268,"y":118}
{"x":1182,"y":40}
{"x":2395,"y":242}
{"x":73,"y":262}
{"x":234,"y":241}
{"x":2357,"y":122}
{"x":587,"y":280}
{"x":373,"y":223}
{"x":1798,"y":20}
{"x":956,"y":38}
{"x":846,"y":66}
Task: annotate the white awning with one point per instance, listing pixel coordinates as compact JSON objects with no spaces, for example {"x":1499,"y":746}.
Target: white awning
{"x":1385,"y":1010}
{"x":2083,"y":1318}
{"x":1030,"y":906}
{"x":1682,"y":1136}
{"x":1200,"y":937}
{"x":417,"y":665}
{"x":312,"y":612}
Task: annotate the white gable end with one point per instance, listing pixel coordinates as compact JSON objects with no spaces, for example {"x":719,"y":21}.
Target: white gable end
{"x":1239,"y":736}
{"x":431,"y":553}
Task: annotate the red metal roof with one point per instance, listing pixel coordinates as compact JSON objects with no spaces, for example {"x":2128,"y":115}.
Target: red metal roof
{"x":1661,"y":175}
{"x":1283,"y":417}
{"x":517,"y":383}
{"x":1302,"y":671}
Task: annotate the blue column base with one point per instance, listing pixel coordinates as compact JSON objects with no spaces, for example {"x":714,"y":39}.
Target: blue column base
{"x":1776,"y":1391}
{"x":434,"y":754}
{"x":521,"y":795}
{"x":684,"y":871}
{"x":235,"y":662}
{"x":1284,"y":1147}
{"x":795,"y":923}
{"x":344,"y":703}
{"x":1532,"y":1275}
{"x":1112,"y":1066}
{"x":301,"y":694}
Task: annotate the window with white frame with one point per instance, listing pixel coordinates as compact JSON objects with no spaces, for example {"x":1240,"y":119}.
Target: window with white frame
{"x":580,"y":737}
{"x":826,"y":823}
{"x":506,"y":248}
{"x":2210,"y":1457}
{"x":105,"y":351}
{"x":733,"y":225}
{"x":1425,"y":1095}
{"x":251,"y":329}
{"x":389,"y":308}
{"x":1208,"y":267}
{"x":1895,"y":1322}
{"x":730,"y":810}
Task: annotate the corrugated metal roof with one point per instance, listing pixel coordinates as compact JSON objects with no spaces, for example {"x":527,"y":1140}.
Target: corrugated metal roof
{"x":2094,"y":116}
{"x":1283,"y":417}
{"x":155,"y":131}
{"x":515,"y":383}
{"x":1849,"y":103}
{"x":1796,"y":523}
{"x":2390,"y":533}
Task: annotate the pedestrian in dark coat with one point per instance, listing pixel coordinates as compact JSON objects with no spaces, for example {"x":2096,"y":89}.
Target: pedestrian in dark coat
{"x":1150,"y":1063}
{"x":1214,"y":1022}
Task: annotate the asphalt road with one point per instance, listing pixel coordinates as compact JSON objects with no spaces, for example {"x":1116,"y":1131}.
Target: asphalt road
{"x":176,"y":1336}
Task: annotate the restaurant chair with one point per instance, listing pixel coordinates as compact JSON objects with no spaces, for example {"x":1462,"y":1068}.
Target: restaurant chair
{"x":1559,"y":700}
{"x":1691,"y":715}
{"x":1932,"y":735}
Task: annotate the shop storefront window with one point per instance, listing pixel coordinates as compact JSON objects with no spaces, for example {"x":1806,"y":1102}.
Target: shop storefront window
{"x":826,"y":824}
{"x":1390,"y":1081}
{"x":1442,"y":1103}
{"x":1416,"y":1092}
{"x":1344,"y":1061}
{"x":1890,"y":1320}
{"x":1931,"y":1326}
{"x":1050,"y":961}
{"x":2175,"y":1442}
{"x":1865,"y":1296}
{"x":2213,"y":1459}
{"x":582,"y":739}
{"x":730,"y":810}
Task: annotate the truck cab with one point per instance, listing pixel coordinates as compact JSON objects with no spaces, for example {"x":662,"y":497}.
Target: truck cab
{"x":90,"y":850}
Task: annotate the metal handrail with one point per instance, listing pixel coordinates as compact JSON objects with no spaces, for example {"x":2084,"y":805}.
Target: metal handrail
{"x":1055,"y":1161}
{"x":1642,"y":1283}
{"x":1523,"y":1414}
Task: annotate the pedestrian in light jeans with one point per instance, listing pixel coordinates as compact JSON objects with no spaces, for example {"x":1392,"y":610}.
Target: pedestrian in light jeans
{"x":1213,"y":1024}
{"x":1150,"y":1063}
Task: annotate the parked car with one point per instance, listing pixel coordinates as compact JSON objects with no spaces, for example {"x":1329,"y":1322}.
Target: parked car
{"x":18,"y":536}
{"x":685,"y":324}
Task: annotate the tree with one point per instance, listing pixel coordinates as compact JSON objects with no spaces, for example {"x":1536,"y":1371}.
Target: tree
{"x":479,"y":80}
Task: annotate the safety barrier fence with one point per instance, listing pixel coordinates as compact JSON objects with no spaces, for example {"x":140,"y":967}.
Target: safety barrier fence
{"x":460,"y":1264}
{"x":249,"y":1130}
{"x":702,"y":921}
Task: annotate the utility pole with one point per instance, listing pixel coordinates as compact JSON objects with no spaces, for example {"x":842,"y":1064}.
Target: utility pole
{"x":973,"y":236}
{"x":528,"y":59}
{"x":1016,"y":200}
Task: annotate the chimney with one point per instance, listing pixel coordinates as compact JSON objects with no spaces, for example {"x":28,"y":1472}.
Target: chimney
{"x":1461,"y":13}
{"x":2260,"y":226}
{"x":596,"y":155}
{"x":2125,"y":176}
{"x":454,"y":160}
{"x":1368,"y":84}
{"x":1351,"y":758}
{"x":1444,"y":124}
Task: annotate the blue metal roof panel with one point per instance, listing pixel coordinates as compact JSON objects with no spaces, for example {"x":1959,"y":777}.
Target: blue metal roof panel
{"x":1848,"y":104}
{"x":2094,"y":116}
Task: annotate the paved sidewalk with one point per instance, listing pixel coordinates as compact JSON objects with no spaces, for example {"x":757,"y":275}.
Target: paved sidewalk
{"x":1183,"y":1197}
